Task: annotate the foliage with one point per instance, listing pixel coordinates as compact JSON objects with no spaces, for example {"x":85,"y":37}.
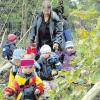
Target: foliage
{"x":14,"y":12}
{"x":85,"y":21}
{"x":1,"y":95}
{"x":77,"y":82}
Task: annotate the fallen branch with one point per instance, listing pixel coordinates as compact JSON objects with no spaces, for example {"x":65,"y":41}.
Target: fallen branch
{"x":93,"y":92}
{"x":5,"y":67}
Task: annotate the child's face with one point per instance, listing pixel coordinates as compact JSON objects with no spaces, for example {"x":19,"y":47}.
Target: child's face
{"x":15,"y":40}
{"x":46,"y":55}
{"x":17,"y":62}
{"x":70,"y":49}
{"x":28,"y":69}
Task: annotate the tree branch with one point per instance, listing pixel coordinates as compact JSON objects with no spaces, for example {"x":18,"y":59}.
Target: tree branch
{"x":93,"y":92}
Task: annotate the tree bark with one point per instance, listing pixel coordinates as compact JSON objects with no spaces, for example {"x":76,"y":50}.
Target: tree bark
{"x":93,"y":92}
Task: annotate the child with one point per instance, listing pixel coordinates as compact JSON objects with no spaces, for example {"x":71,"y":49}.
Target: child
{"x":48,"y":62}
{"x":26,"y":84}
{"x":17,"y":55}
{"x":31,"y":50}
{"x":49,"y":67}
{"x":68,"y":54}
{"x":10,"y":45}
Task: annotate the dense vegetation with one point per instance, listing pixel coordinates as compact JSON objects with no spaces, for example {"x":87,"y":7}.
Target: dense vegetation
{"x":84,"y":19}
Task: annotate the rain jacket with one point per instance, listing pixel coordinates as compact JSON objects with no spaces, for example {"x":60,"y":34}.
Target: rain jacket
{"x":47,"y":65}
{"x":13,"y":72}
{"x":66,"y":58}
{"x":24,"y":87}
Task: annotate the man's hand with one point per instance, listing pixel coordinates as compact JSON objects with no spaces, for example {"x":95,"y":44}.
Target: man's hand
{"x":55,"y":46}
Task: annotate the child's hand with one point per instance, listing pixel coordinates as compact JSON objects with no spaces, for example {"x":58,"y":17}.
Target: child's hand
{"x":54,"y":72}
{"x":7,"y":93}
{"x":37,"y":91}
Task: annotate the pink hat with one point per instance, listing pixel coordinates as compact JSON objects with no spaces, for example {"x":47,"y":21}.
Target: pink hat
{"x":12,"y":37}
{"x":27,"y":62}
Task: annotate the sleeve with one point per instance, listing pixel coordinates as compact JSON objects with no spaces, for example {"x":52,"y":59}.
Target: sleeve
{"x":32,"y":33}
{"x":39,"y":84}
{"x":11,"y":79}
{"x":58,"y":66}
{"x":18,"y":82}
{"x":10,"y":88}
{"x":59,"y":38}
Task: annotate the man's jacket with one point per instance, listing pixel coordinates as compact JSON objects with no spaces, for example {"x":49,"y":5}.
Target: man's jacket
{"x":55,"y":28}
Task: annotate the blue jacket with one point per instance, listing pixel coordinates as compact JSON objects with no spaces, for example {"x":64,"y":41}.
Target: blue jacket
{"x":47,"y":65}
{"x":7,"y":50}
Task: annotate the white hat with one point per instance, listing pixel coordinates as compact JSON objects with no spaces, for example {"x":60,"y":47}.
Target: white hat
{"x":45,"y":49}
{"x":69,"y":44}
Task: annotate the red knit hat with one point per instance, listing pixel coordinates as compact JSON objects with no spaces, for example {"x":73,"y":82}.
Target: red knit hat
{"x":31,"y":50}
{"x":11,"y":37}
{"x":27,"y":62}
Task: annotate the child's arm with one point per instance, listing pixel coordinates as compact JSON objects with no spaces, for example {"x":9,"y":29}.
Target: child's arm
{"x":11,"y":79}
{"x":39,"y":86}
{"x":9,"y":90}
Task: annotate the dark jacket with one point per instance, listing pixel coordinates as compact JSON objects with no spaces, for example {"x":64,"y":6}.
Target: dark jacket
{"x":55,"y":27}
{"x":8,"y":49}
{"x":45,"y":71}
{"x":47,"y":65}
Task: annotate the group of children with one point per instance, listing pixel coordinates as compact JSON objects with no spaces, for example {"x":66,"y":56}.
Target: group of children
{"x":28,"y":77}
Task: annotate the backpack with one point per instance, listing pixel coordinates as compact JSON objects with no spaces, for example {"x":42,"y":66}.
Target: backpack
{"x":7,"y":51}
{"x":68,"y":34}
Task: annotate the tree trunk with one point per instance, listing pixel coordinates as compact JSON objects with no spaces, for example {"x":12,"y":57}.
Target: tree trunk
{"x":24,"y":18}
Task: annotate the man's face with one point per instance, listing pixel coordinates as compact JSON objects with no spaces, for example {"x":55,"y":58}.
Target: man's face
{"x":46,"y":10}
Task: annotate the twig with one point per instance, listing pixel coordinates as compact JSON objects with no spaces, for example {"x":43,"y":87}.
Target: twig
{"x":8,"y":16}
{"x":3,"y":37}
{"x":24,"y":35}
